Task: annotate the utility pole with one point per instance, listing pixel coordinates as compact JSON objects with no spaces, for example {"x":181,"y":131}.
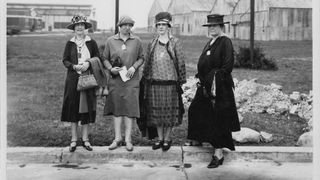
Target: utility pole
{"x":251,"y":30}
{"x":117,"y":17}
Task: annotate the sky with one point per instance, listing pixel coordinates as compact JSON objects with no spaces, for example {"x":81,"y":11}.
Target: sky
{"x":105,"y":9}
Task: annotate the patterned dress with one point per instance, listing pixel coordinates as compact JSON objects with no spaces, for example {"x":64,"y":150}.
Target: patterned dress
{"x":162,"y":78}
{"x":162,"y":99}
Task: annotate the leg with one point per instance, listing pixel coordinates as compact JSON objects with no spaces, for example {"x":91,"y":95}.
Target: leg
{"x":74,"y":137}
{"x":160,"y":132}
{"x":85,"y":139}
{"x":158,"y":144}
{"x":85,"y":129}
{"x":218,"y":153}
{"x":128,"y":130}
{"x":117,"y":128}
{"x":217,"y":159}
{"x":74,"y":132}
{"x":167,"y":139}
{"x":168,"y":131}
{"x":117,"y":121}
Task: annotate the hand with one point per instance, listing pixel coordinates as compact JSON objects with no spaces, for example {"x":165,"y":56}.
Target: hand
{"x":77,"y":67}
{"x":85,"y":66}
{"x":130,"y":72}
{"x":115,"y":70}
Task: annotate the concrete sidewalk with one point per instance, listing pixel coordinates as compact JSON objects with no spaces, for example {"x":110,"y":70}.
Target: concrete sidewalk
{"x":179,"y":163}
{"x":176,"y":154}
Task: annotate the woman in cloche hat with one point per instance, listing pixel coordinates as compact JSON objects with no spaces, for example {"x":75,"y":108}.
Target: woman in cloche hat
{"x":123,"y":51}
{"x":212,"y":115}
{"x":164,"y":73}
{"x":79,"y":106}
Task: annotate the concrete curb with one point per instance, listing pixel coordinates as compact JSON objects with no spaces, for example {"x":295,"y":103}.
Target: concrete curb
{"x":176,"y":155}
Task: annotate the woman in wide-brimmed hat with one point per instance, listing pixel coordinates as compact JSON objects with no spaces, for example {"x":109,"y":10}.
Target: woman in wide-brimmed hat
{"x":164,"y":73}
{"x":212,"y":115}
{"x":123,"y":51}
{"x":79,"y":52}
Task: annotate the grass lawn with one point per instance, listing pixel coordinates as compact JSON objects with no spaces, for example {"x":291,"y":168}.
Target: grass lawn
{"x":36,"y":82}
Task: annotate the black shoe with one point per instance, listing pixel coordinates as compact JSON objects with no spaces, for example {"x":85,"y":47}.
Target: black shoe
{"x":87,"y":147}
{"x":157,"y":145}
{"x":166,"y":145}
{"x":72,"y":148}
{"x":215,"y":162}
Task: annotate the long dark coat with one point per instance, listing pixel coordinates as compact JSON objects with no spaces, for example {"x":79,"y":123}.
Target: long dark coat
{"x":214,"y":123}
{"x":71,"y":98}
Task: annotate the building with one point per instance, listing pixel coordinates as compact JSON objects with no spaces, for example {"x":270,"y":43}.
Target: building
{"x":274,"y":19}
{"x":157,"y":6}
{"x":46,"y":17}
{"x":189,"y":16}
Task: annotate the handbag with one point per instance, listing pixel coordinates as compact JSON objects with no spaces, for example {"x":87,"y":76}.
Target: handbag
{"x":86,"y":81}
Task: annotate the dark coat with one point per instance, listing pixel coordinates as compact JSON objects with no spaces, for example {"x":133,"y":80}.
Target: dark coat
{"x":205,"y":120}
{"x":71,"y":98}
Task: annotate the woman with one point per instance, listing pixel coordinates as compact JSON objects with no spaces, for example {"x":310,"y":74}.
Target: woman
{"x":123,"y":50}
{"x":79,"y":105}
{"x":164,"y":73}
{"x":212,"y":114}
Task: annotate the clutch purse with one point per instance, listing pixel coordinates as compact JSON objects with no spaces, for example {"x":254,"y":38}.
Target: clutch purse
{"x":86,"y":82}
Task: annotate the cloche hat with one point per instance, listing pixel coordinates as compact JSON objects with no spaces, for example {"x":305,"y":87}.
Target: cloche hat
{"x":125,"y":20}
{"x":163,"y":17}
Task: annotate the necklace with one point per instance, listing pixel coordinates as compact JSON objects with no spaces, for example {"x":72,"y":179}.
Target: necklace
{"x":80,"y":43}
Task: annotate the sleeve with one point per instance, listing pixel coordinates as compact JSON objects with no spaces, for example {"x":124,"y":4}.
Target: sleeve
{"x":227,"y":64}
{"x":147,"y":59}
{"x":66,"y":57}
{"x":96,"y":52}
{"x":181,"y":62}
{"x":140,"y":58}
{"x":106,"y":56}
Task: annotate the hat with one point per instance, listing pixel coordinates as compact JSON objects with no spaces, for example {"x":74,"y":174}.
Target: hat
{"x":163,"y":17}
{"x":77,"y":19}
{"x":214,"y":19}
{"x":125,"y":20}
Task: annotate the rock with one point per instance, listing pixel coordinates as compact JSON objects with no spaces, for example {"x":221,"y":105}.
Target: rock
{"x":266,"y":137}
{"x":295,"y":97}
{"x":276,"y":86}
{"x":235,"y":81}
{"x":246,"y":135}
{"x":240,"y":117}
{"x":293,"y":109}
{"x":305,"y":140}
{"x":310,"y":124}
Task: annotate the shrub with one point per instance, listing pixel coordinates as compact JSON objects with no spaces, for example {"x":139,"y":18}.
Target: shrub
{"x":260,"y":60}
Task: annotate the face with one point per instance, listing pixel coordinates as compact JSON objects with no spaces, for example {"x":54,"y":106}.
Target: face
{"x":214,"y":30}
{"x":162,"y":28}
{"x":125,"y":29}
{"x":79,"y":28}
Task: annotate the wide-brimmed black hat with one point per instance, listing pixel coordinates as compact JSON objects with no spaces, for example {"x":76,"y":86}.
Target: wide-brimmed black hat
{"x":77,"y":19}
{"x":214,"y":19}
{"x":163,"y":17}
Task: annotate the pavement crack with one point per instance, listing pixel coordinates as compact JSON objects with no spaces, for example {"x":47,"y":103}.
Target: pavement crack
{"x":182,"y":167}
{"x":61,"y":156}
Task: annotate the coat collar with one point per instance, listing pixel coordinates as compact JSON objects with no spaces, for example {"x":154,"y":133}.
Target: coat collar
{"x":117,"y":36}
{"x":87,"y":38}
